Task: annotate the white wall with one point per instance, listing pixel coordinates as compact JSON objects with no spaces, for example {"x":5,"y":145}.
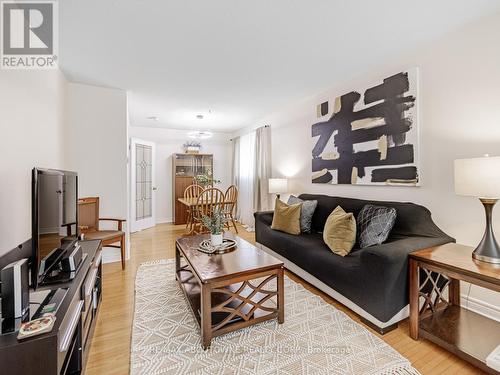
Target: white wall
{"x":459,"y":118}
{"x":169,"y":141}
{"x":97,"y":129}
{"x":32,"y":126}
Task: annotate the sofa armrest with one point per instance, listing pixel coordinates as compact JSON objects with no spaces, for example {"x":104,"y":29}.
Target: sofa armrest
{"x":396,"y":251}
{"x":265,"y":217}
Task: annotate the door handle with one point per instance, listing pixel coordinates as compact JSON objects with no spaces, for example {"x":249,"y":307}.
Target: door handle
{"x":154,"y":188}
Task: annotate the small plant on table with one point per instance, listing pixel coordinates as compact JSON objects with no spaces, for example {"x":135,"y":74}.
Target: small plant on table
{"x":215,"y":225}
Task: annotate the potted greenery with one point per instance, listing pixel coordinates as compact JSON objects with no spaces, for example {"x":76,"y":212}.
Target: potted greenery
{"x":206,"y":180}
{"x":215,"y":224}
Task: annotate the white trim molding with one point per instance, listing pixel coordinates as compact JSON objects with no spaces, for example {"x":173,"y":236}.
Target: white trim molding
{"x":163,"y":220}
{"x":481,"y":307}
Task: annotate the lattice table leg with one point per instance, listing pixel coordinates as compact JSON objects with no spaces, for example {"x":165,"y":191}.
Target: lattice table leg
{"x":253,"y":299}
{"x":432,"y":287}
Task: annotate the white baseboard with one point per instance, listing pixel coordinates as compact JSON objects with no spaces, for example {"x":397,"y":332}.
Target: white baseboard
{"x":167,"y":220}
{"x":478,"y":306}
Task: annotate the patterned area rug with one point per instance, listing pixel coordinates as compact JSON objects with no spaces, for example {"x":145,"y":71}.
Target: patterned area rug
{"x":316,"y":338}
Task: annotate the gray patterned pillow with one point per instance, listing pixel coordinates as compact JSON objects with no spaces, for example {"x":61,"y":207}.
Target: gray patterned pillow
{"x":375,"y":224}
{"x":306,"y":212}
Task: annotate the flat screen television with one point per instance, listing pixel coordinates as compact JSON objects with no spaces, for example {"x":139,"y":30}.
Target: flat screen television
{"x":54,"y":219}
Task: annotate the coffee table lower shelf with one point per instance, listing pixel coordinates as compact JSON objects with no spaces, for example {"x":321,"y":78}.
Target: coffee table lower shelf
{"x":239,"y":307}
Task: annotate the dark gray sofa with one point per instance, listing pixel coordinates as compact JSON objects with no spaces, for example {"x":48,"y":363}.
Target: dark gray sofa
{"x":373,"y":281}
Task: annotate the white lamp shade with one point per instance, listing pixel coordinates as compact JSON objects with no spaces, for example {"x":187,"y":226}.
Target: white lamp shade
{"x":478,"y":177}
{"x":278,"y":185}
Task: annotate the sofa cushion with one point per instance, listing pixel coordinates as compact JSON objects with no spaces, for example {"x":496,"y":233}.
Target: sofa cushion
{"x":309,"y":252}
{"x":374,"y":224}
{"x":306,"y":212}
{"x":286,"y":217}
{"x":340,"y":232}
{"x":412,"y":219}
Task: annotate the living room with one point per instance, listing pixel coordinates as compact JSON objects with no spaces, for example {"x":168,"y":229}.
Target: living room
{"x":174,"y":122}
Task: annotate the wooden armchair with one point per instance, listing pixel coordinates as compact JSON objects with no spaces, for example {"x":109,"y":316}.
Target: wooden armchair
{"x":88,"y":224}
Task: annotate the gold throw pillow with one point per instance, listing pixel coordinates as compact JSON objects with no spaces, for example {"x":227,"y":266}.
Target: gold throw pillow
{"x":340,"y":231}
{"x":286,"y":217}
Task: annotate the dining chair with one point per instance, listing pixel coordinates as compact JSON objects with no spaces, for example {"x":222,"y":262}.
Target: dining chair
{"x":230,"y":201}
{"x":209,"y":201}
{"x":88,"y":225}
{"x":191,"y":192}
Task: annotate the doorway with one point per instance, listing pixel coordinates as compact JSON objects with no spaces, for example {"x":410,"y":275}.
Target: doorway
{"x":143,"y":188}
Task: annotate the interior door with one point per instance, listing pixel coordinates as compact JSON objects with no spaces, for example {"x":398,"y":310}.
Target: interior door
{"x":143,"y":186}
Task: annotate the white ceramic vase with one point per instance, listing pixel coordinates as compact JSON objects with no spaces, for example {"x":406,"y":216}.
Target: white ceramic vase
{"x":216,"y":239}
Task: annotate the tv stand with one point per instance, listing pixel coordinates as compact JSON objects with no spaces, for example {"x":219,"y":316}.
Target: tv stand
{"x":65,"y":349}
{"x":55,"y":297}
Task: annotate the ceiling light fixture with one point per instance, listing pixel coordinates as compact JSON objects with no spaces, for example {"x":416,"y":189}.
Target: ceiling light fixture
{"x":153,"y":118}
{"x":199,"y":117}
{"x":200,"y":134}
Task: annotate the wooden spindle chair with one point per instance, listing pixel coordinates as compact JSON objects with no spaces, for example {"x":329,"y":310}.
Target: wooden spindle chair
{"x":192,"y":192}
{"x":209,"y":201}
{"x":230,"y":201}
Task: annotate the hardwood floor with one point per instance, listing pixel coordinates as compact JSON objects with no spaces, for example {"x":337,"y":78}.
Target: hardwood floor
{"x":110,"y":351}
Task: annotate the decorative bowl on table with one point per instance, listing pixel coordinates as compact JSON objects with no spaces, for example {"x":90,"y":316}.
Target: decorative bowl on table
{"x":226,"y":246}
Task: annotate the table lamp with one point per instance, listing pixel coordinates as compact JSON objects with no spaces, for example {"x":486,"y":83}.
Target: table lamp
{"x":278,"y":186}
{"x":480,"y":177}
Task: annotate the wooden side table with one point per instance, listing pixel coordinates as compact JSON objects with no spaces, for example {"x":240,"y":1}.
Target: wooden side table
{"x":441,"y":319}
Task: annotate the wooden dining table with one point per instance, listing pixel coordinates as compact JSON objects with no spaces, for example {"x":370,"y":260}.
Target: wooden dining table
{"x":190,"y":203}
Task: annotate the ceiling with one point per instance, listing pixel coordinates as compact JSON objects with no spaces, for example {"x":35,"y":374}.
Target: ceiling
{"x":235,"y":61}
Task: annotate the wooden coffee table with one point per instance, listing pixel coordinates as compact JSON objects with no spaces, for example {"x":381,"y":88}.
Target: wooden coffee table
{"x":229,"y":291}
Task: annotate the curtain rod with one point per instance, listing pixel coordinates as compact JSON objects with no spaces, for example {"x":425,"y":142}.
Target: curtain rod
{"x":265,"y":126}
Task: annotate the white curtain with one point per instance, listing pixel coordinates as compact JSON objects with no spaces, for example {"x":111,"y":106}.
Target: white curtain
{"x":261,"y":198}
{"x":235,"y":170}
{"x":250,"y":173}
{"x":246,"y":175}
{"x":235,"y":162}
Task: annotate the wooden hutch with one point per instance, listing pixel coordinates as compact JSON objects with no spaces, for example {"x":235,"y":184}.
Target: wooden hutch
{"x":185,"y":168}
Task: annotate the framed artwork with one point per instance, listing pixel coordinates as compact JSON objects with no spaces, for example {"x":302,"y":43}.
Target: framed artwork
{"x":369,"y":136}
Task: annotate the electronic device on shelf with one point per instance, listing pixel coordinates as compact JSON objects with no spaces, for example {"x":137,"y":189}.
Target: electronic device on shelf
{"x":58,"y":275}
{"x":15,"y":289}
{"x":71,"y":260}
{"x":54,"y":221}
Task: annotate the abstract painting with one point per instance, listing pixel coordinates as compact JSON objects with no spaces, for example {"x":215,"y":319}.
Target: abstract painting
{"x":369,"y":136}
